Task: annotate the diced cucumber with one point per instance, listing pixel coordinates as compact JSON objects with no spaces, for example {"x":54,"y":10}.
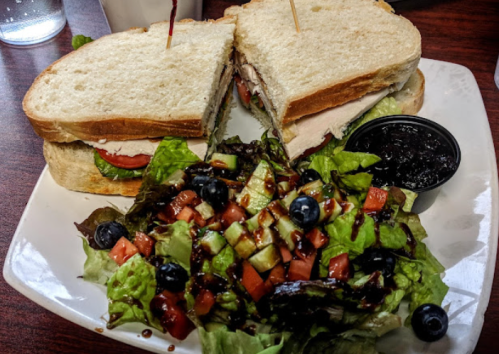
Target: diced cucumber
{"x":347,"y":207}
{"x":205,"y":210}
{"x":266,"y":259}
{"x":224,"y":161}
{"x":177,"y":179}
{"x":288,"y":199}
{"x":234,"y":233}
{"x":245,"y":247}
{"x":277,"y":209}
{"x":329,"y":209}
{"x":262,"y":219}
{"x":213,"y":242}
{"x":252,"y":201}
{"x":313,"y":189}
{"x":283,"y":187}
{"x":288,"y":231}
{"x":263,"y":171}
{"x":259,"y":189}
{"x":263,"y":237}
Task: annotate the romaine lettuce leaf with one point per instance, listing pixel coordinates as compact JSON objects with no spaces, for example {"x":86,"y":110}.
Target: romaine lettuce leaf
{"x":392,"y":237}
{"x":110,"y":171}
{"x":130,"y":291}
{"x":175,"y":242}
{"x":350,"y":161}
{"x":98,"y":267}
{"x":79,"y":40}
{"x":324,"y":165}
{"x":172,"y":154}
{"x":341,"y":231}
{"x":413,"y":222}
{"x":222,"y":341}
{"x":359,"y":182}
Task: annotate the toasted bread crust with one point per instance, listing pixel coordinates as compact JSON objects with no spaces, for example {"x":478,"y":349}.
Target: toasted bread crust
{"x":114,"y":129}
{"x":411,"y":103}
{"x":71,"y":165}
{"x":350,"y":90}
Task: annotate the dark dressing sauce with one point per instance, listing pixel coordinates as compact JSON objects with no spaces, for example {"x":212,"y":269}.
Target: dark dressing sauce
{"x":359,"y":221}
{"x":413,"y":157}
{"x":146,"y":333}
{"x":411,"y":241}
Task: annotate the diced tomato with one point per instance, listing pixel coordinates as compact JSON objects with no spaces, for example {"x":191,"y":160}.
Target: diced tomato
{"x":176,"y":322}
{"x":164,"y":216}
{"x":232,"y":213}
{"x":269,"y":287}
{"x":285,"y":254}
{"x":253,"y":282}
{"x":122,"y":251}
{"x":182,"y":200}
{"x":375,"y":199}
{"x":143,"y":243}
{"x":260,"y":102}
{"x":187,"y":214}
{"x":317,"y":238}
{"x":301,"y":269}
{"x":277,"y":275}
{"x":339,"y":267}
{"x":204,"y":302}
{"x":243,"y":91}
{"x":127,"y":162}
{"x":198,"y":219}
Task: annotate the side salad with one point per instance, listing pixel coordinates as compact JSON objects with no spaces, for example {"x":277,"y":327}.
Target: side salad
{"x":264,"y":258}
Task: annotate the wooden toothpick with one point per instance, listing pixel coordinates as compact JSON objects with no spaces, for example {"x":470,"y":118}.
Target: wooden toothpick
{"x":293,"y":8}
{"x":172,"y":22}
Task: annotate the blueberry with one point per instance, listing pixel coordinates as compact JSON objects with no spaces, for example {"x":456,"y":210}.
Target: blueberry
{"x":198,"y":183}
{"x":171,"y":277}
{"x":108,"y":233}
{"x":381,"y":259}
{"x":429,"y":322}
{"x":304,"y":211}
{"x":216,"y":193}
{"x":309,"y":176}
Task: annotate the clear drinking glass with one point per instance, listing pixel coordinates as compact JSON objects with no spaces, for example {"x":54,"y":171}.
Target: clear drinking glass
{"x":26,"y":22}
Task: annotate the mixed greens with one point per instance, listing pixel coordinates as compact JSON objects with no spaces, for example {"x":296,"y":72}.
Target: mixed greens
{"x":262,"y":257}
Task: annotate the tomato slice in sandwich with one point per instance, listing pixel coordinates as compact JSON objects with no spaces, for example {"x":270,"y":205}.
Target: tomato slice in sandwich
{"x":127,"y":162}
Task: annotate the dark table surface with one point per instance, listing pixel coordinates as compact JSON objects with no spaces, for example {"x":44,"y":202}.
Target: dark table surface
{"x":459,"y":31}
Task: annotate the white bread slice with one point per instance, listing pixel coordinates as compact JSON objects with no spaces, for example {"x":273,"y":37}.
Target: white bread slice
{"x":129,"y":86}
{"x":411,"y":97}
{"x":346,"y":49}
{"x":72,"y":164}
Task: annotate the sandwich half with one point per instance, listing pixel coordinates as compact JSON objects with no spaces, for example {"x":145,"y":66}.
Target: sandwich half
{"x":103,"y":108}
{"x":348,"y":56}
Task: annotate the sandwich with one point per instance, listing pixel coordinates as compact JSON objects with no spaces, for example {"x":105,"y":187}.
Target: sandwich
{"x":103,"y":109}
{"x":311,"y":85}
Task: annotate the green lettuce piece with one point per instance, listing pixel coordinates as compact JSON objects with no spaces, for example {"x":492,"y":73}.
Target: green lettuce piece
{"x":392,"y":300}
{"x":332,"y":250}
{"x":335,"y":345}
{"x":350,"y":161}
{"x":98,"y":267}
{"x":79,"y":40}
{"x":172,"y":154}
{"x":413,"y":222}
{"x":410,"y":199}
{"x":175,"y":242}
{"x":110,"y":171}
{"x":359,"y":182}
{"x":341,"y":230}
{"x":324,"y":165}
{"x":431,"y":290}
{"x":386,"y":107}
{"x":222,"y":341}
{"x":223,"y":260}
{"x":375,"y":325}
{"x":392,"y":237}
{"x":130,"y":291}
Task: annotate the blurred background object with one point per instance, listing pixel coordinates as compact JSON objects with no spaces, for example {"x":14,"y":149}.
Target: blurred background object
{"x":24,"y":22}
{"x":496,"y":76}
{"x":123,"y":14}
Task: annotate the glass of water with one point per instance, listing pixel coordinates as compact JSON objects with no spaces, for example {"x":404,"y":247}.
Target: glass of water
{"x":25,"y":22}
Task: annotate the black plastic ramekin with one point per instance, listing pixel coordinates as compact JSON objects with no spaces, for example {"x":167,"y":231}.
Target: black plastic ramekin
{"x":427,"y":195}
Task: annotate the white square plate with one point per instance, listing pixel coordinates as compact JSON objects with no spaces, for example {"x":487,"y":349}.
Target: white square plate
{"x":46,"y":255}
